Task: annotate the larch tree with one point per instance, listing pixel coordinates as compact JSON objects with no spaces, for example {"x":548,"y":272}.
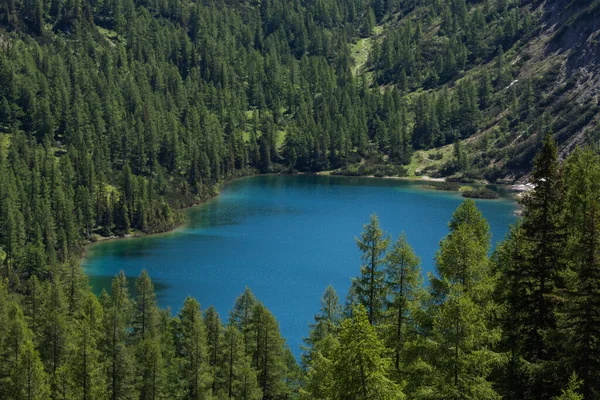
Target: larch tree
{"x":148,"y":349}
{"x":241,"y":315}
{"x":28,"y":378}
{"x":463,"y":336}
{"x":370,"y":285}
{"x":85,"y":377}
{"x":319,"y":376}
{"x":360,"y":368}
{"x":15,"y":334}
{"x":195,"y":369}
{"x":55,"y":332}
{"x":214,"y":334}
{"x":116,"y":324}
{"x":268,"y":353}
{"x":146,"y":310}
{"x":326,"y":322}
{"x":405,"y":290}
{"x":236,"y":377}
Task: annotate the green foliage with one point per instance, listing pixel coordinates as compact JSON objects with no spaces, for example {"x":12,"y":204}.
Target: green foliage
{"x":571,"y":392}
{"x":370,"y":285}
{"x":405,"y":293}
{"x":360,"y":368}
{"x":326,"y":323}
{"x":578,"y":320}
{"x":193,"y":351}
{"x":113,"y":114}
{"x":464,"y":337}
{"x":480,"y":193}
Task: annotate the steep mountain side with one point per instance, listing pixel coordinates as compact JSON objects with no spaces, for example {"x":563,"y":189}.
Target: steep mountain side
{"x":492,"y":77}
{"x":567,"y":54}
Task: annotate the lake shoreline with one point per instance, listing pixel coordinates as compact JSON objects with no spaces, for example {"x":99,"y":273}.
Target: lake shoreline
{"x":283,"y":237}
{"x":217,"y":190}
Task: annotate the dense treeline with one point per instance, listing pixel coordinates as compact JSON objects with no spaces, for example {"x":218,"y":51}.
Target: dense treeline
{"x":60,"y":341}
{"x":521,"y":324}
{"x":116,"y":113}
{"x":113,"y":114}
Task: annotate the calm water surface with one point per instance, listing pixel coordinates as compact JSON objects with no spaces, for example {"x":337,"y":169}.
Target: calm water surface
{"x":285,"y":237}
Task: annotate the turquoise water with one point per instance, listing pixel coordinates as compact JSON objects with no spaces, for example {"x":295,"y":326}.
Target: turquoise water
{"x":285,"y":237}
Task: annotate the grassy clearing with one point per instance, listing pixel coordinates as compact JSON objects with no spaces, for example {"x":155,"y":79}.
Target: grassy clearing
{"x":425,"y":159}
{"x":112,"y":35}
{"x":280,"y":139}
{"x":360,"y":54}
{"x":4,"y":141}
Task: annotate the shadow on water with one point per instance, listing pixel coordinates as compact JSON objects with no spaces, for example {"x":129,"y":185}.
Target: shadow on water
{"x":285,"y":237}
{"x":103,"y":282}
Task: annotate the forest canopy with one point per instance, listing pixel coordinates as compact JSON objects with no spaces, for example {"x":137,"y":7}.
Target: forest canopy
{"x":114,"y":114}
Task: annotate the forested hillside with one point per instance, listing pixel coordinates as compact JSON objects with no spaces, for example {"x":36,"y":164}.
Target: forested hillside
{"x":494,"y":77}
{"x":521,"y":324}
{"x":114,"y":114}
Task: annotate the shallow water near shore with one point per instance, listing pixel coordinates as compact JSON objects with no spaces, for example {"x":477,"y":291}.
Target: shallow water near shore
{"x":287,"y":238}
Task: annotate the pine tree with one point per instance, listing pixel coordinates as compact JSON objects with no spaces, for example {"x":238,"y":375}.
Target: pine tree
{"x":370,"y":285}
{"x":579,"y":320}
{"x":485,"y":90}
{"x":544,"y":267}
{"x":115,"y":324}
{"x":194,"y":368}
{"x":511,"y":293}
{"x":501,"y":75}
{"x":464,"y":337}
{"x":326,"y":322}
{"x":28,"y":378}
{"x":360,"y":369}
{"x":404,"y":285}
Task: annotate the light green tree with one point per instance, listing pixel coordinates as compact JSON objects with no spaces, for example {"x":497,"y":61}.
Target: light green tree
{"x":194,"y":368}
{"x":28,"y":378}
{"x":116,"y":322}
{"x":360,"y":368}
{"x":370,"y":285}
{"x":326,"y":322}
{"x":236,"y":379}
{"x":84,"y":376}
{"x":405,"y":291}
{"x":463,"y":353}
{"x":572,"y":390}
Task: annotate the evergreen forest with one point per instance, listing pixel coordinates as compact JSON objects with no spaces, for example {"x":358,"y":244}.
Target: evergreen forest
{"x":116,"y":114}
